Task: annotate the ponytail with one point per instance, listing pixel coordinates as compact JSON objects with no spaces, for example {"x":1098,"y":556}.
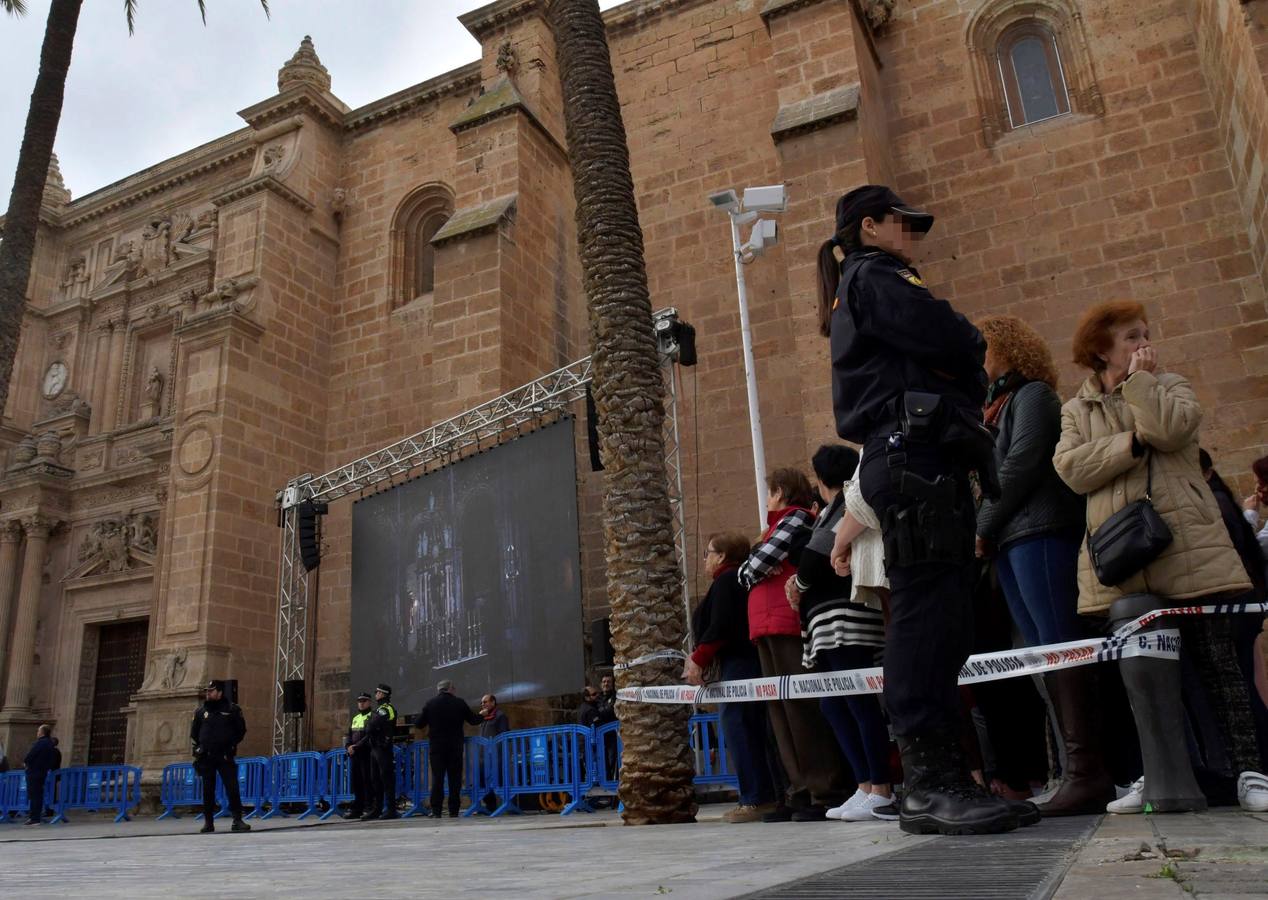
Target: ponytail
{"x":849,"y":240}
{"x":829,"y":280}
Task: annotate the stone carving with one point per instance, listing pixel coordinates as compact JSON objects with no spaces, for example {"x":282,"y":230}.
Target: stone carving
{"x":48,"y":445}
{"x":338,"y":201}
{"x":70,"y":402}
{"x":303,"y":68}
{"x":878,"y":12}
{"x":164,"y":240}
{"x":76,"y":276}
{"x":110,"y":541}
{"x":166,"y":670}
{"x":506,"y":58}
{"x":156,"y":246}
{"x":25,"y":451}
{"x":273,"y":156}
{"x":153,"y":406}
{"x":228,"y":292}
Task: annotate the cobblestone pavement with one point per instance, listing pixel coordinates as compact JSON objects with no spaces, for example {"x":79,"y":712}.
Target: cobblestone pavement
{"x":1214,"y":856}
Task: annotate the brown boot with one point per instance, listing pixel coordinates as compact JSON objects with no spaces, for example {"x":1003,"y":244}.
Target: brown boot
{"x":1085,"y":785}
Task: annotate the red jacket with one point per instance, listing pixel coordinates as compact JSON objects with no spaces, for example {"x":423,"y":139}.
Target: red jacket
{"x":768,"y":569}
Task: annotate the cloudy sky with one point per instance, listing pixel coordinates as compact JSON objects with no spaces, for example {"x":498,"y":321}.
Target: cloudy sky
{"x":133,"y":101}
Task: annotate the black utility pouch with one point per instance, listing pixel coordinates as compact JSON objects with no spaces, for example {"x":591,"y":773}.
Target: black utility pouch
{"x":922,"y":416}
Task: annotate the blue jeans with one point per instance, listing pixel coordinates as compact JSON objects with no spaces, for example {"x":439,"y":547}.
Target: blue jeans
{"x":744,"y":729}
{"x":1039,"y":578}
{"x":857,"y":722}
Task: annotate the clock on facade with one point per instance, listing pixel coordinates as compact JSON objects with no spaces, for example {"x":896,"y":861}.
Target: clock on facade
{"x":54,"y":380}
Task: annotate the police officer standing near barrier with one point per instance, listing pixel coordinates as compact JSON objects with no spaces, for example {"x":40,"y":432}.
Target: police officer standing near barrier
{"x":359,"y":765}
{"x":908,"y":384}
{"x":216,"y":731}
{"x":379,"y":731}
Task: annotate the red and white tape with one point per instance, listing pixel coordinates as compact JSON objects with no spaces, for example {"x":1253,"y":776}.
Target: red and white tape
{"x":1122,"y":644}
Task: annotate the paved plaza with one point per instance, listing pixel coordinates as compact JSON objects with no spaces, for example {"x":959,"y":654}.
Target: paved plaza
{"x":1222,"y":854}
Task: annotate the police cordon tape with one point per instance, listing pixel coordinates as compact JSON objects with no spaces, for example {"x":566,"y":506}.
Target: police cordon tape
{"x":1122,"y":644}
{"x":649,"y":657}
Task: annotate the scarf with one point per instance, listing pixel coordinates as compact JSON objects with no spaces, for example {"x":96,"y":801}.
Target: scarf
{"x":998,"y":395}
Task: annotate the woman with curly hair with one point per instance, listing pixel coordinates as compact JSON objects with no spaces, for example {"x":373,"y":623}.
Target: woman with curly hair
{"x":1033,"y":531}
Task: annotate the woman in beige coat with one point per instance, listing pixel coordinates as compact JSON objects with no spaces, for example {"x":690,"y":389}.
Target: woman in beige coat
{"x":1128,"y":407}
{"x":1128,"y":423}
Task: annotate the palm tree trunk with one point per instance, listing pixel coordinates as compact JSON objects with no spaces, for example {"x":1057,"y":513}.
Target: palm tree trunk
{"x":629,"y":394}
{"x":23,"y":217}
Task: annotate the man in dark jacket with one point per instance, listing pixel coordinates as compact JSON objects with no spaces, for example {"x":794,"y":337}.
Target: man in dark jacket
{"x":588,"y":711}
{"x":444,"y":716}
{"x":217,"y":729}
{"x":380,"y":730}
{"x":495,"y":723}
{"x":39,"y":762}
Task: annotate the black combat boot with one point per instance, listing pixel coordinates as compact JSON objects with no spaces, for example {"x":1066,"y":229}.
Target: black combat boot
{"x":208,"y":827}
{"x":940,"y":796}
{"x":239,"y":825}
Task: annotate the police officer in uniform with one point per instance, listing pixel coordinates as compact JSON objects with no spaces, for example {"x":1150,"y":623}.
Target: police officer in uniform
{"x":216,"y":731}
{"x":379,"y":730}
{"x":359,"y":765}
{"x":908,"y":385}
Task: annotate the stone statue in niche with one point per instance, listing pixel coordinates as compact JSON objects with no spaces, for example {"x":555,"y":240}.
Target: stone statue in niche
{"x":76,"y":277}
{"x":141,"y":536}
{"x":152,"y":406}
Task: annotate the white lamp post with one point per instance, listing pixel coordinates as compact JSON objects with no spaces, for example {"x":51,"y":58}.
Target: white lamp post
{"x":757,"y":200}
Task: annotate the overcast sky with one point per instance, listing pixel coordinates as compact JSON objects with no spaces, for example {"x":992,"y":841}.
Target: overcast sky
{"x":134,"y":101}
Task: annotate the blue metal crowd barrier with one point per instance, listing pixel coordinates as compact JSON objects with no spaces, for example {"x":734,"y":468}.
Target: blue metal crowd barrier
{"x":295,"y":778}
{"x":708,"y":745}
{"x":254,"y":788}
{"x":94,"y":788}
{"x":479,"y":774}
{"x":13,"y":800}
{"x":541,"y":760}
{"x":413,"y":777}
{"x":180,"y":786}
{"x":607,"y":766}
{"x":337,"y":787}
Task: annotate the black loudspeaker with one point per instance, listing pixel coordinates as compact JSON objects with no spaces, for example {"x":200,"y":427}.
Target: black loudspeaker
{"x":592,"y":432}
{"x":601,"y":643}
{"x":309,"y":540}
{"x":231,"y":690}
{"x":293,"y":697}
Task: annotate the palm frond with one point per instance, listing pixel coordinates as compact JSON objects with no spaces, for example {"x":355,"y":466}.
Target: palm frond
{"x":129,"y":10}
{"x":18,"y":7}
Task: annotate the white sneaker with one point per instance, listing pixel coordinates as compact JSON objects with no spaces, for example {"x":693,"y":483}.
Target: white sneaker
{"x":837,"y":812}
{"x":1132,"y":802}
{"x":1252,"y":792}
{"x":863,"y":812}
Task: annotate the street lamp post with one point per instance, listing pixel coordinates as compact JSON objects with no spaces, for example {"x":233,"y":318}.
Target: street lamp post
{"x":770,"y":199}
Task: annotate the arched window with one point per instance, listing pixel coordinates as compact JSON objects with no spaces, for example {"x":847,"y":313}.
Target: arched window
{"x":1034,"y":79}
{"x":1030,"y":63}
{"x":417,"y":220}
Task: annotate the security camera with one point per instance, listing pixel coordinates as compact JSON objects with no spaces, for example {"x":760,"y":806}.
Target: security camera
{"x":771,"y":198}
{"x":727,"y":201}
{"x":765,"y":234}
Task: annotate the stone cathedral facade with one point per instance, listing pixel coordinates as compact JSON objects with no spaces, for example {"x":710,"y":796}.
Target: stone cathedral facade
{"x":325,"y":280}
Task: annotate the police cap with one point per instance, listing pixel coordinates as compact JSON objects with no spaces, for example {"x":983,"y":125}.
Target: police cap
{"x":216,"y":685}
{"x":384,"y":689}
{"x":363,"y":696}
{"x":876,"y":200}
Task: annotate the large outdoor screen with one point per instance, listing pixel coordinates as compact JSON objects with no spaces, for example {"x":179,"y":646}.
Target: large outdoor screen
{"x":472,"y":573}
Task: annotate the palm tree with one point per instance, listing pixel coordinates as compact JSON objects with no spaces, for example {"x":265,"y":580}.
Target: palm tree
{"x":42,"y":120}
{"x":629,"y":394}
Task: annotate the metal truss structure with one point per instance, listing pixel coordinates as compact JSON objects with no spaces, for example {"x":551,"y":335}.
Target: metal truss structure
{"x":532,"y":404}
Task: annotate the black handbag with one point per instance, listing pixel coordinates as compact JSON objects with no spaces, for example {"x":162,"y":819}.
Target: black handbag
{"x":1130,"y":539}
